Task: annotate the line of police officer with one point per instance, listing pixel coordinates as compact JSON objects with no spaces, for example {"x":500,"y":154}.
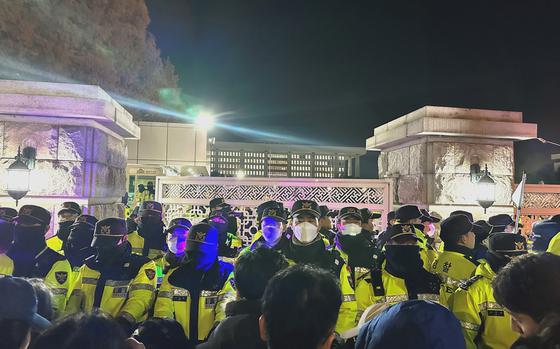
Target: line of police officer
{"x":184,"y":271}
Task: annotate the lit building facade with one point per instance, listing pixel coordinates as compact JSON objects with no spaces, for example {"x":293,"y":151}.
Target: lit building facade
{"x":283,"y":160}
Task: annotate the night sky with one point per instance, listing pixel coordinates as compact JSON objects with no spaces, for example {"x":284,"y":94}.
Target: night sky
{"x":328,"y":72}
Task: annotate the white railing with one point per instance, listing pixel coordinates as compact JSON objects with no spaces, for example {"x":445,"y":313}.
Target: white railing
{"x":189,"y":196}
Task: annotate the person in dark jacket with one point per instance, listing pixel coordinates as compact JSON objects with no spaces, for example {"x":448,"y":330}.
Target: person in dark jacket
{"x":240,"y":329}
{"x":413,"y":324}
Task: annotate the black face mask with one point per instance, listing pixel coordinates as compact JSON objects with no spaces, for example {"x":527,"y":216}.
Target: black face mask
{"x":30,"y":238}
{"x":150,"y":225}
{"x":112,"y":255}
{"x":403,"y":260}
{"x":78,"y":246}
{"x":64,"y":230}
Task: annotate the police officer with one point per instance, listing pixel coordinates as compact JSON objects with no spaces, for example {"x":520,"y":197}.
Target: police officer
{"x":272,"y":228}
{"x":140,"y":195}
{"x":114,"y":280}
{"x":456,"y":263}
{"x":485,"y":323}
{"x":66,"y":216}
{"x":402,"y":276}
{"x":226,"y":224}
{"x":325,"y":225}
{"x":6,"y":238}
{"x":482,"y":230}
{"x":367,"y":220}
{"x":131,"y":224}
{"x":355,"y":244}
{"x":33,"y":258}
{"x":307,"y":246}
{"x":192,"y":293}
{"x":502,"y":223}
{"x":260,"y":209}
{"x":481,"y":236}
{"x":176,"y":242}
{"x":78,"y":246}
{"x":151,"y":191}
{"x":411,"y":214}
{"x":8,"y":213}
{"x":149,"y":239}
{"x":543,"y":233}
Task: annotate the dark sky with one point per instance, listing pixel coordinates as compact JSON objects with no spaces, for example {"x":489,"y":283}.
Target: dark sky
{"x":330,"y":71}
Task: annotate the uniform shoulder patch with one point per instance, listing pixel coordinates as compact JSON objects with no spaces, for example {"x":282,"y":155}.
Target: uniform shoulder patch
{"x":468,"y":283}
{"x":61,"y":277}
{"x":150,"y":273}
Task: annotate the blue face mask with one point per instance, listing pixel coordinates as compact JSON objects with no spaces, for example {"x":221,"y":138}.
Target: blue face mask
{"x":204,"y":257}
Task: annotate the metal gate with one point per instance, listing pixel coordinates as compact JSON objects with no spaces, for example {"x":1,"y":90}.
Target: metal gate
{"x":189,"y":196}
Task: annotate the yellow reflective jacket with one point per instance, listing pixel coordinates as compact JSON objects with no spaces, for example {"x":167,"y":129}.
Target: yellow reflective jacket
{"x":55,"y":244}
{"x":554,"y":245}
{"x":348,"y":314}
{"x":453,"y":268}
{"x":485,"y":323}
{"x":196,"y":312}
{"x":55,"y":271}
{"x":380,"y":286}
{"x":6,"y":265}
{"x":126,"y":291}
{"x":137,"y":243}
{"x":427,"y":251}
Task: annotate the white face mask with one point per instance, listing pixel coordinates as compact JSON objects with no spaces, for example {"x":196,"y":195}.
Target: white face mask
{"x":305,"y":232}
{"x":431,"y":230}
{"x":176,"y":244}
{"x":351,"y":229}
{"x":271,"y":233}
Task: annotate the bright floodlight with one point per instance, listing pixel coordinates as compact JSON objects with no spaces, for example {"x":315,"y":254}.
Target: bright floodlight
{"x":204,"y":120}
{"x":240,"y":174}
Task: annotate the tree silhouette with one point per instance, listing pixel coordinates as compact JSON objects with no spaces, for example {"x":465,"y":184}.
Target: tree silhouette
{"x":100,"y":42}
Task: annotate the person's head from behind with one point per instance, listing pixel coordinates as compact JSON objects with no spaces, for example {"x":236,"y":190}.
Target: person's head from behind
{"x":254,"y":269}
{"x":413,"y":324}
{"x":18,"y":313}
{"x":44,"y":298}
{"x":160,"y":333}
{"x":300,"y":308}
{"x":458,"y":230}
{"x":6,"y":235}
{"x":83,"y":331}
{"x":409,"y":214}
{"x":528,"y":288}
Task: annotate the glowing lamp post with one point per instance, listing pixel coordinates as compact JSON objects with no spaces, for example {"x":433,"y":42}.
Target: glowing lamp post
{"x":486,"y":190}
{"x":18,"y":178}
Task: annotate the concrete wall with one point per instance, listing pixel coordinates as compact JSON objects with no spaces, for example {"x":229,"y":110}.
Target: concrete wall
{"x":78,"y":132}
{"x":428,"y":154}
{"x":168,"y":144}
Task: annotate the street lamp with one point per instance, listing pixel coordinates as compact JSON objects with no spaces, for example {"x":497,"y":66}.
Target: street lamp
{"x":205,"y":120}
{"x":18,"y":178}
{"x":485,"y":190}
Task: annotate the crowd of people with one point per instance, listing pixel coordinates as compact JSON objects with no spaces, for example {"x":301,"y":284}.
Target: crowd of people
{"x":310,"y":278}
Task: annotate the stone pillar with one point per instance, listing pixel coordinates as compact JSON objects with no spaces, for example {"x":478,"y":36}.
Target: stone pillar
{"x":78,"y":132}
{"x":429,"y":154}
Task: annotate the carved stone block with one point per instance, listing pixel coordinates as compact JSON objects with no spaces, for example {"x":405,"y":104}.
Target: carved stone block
{"x":411,"y":189}
{"x":42,"y":137}
{"x":72,"y":142}
{"x":398,"y":161}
